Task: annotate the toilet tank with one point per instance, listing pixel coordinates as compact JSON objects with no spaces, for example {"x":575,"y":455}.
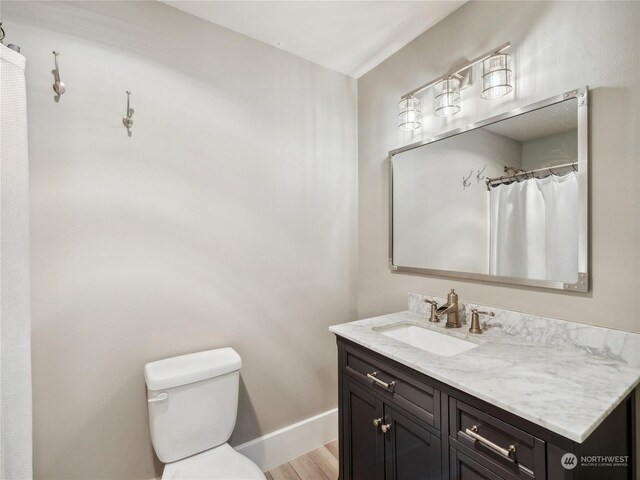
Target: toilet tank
{"x":192,"y":401}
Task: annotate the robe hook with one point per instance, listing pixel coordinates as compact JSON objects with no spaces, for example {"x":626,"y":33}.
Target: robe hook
{"x":465,"y":181}
{"x":479,"y":175}
{"x":127,"y":121}
{"x":58,"y":86}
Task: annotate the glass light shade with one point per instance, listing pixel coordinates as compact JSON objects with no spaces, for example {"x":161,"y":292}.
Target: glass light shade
{"x":496,"y":76}
{"x":410,"y":116}
{"x":447,"y":97}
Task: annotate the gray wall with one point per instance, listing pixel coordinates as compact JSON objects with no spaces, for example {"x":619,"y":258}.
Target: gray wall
{"x":557,"y":46}
{"x":228,"y":218}
{"x":551,"y":150}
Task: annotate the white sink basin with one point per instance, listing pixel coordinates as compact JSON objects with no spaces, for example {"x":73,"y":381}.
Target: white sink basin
{"x":432,"y":342}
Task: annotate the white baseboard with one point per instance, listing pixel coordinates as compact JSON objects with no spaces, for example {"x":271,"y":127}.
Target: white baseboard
{"x":290,"y":442}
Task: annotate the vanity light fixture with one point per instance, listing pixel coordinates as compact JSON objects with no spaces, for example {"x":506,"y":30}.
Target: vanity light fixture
{"x":410,"y":116}
{"x":447,"y":97}
{"x":496,"y":76}
{"x":496,"y":82}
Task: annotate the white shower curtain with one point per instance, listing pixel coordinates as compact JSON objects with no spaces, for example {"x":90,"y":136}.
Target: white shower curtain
{"x":15,"y":328}
{"x":534,"y":229}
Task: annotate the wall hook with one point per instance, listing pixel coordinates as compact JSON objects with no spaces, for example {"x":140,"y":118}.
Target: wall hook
{"x":58,"y":86}
{"x":465,"y":181}
{"x":479,"y":175}
{"x":127,"y":121}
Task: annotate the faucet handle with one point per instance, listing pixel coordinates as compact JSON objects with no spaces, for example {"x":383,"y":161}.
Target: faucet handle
{"x":475,"y":320}
{"x":433,"y":318}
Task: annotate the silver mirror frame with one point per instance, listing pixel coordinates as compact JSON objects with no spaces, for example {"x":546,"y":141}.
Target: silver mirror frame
{"x":582,"y":285}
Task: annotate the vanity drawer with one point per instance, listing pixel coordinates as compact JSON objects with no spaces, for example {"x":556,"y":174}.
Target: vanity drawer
{"x":413,"y":396}
{"x":505,"y":449}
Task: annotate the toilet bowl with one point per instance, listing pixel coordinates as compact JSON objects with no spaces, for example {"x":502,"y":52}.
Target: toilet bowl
{"x":221,"y":462}
{"x":193,"y":403}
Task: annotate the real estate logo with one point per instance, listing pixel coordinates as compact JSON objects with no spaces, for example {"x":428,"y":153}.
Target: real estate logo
{"x":569,"y":461}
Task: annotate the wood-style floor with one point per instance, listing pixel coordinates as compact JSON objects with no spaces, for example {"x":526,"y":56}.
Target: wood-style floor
{"x":318,"y":464}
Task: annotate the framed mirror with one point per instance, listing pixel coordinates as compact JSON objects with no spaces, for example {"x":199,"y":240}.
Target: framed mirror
{"x":502,"y":200}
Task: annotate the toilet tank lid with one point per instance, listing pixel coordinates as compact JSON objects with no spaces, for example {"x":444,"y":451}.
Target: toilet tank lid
{"x":194,"y":367}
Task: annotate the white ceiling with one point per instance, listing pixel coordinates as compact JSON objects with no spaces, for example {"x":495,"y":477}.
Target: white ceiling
{"x":350,"y":37}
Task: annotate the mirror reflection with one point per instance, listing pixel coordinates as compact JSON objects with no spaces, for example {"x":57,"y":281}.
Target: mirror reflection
{"x":500,"y":200}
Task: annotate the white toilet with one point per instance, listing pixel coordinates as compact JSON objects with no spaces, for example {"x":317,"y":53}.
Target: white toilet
{"x":193,"y":402}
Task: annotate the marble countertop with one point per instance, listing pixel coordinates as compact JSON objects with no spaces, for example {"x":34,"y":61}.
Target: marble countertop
{"x":568,"y":387}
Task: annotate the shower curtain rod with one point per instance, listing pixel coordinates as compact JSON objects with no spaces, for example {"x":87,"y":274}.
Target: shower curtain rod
{"x":526,"y":173}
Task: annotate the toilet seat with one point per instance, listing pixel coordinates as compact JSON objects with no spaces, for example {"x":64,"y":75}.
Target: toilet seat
{"x":219,"y":463}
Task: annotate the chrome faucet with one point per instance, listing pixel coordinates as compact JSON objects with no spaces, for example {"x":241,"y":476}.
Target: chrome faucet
{"x":451,"y":309}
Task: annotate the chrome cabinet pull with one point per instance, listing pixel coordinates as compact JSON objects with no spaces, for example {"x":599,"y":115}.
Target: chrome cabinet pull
{"x":377,"y":422}
{"x":508,"y":452}
{"x":376,"y":380}
{"x":385,"y":428}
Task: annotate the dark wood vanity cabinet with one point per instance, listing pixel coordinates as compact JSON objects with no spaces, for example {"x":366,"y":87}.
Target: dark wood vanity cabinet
{"x":398,"y":424}
{"x":385,"y":443}
{"x":464,"y":468}
{"x":411,"y":451}
{"x":366,"y":451}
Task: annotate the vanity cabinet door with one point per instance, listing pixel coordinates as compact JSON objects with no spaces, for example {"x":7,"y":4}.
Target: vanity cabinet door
{"x":363,"y":447}
{"x":463,"y":468}
{"x":411,"y":451}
